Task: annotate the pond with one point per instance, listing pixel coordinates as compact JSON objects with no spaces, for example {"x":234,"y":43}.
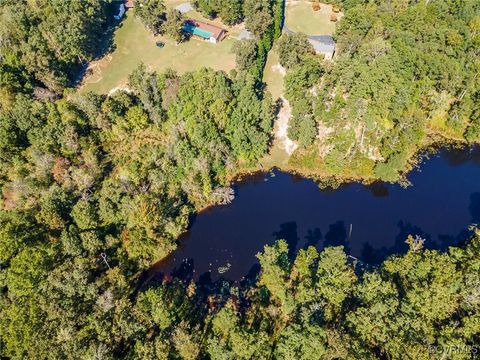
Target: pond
{"x":371,"y":222}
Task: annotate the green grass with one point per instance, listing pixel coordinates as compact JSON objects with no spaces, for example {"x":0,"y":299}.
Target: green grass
{"x":273,"y":78}
{"x":277,"y":157}
{"x":300,"y":17}
{"x":135,"y":44}
{"x":273,"y":75}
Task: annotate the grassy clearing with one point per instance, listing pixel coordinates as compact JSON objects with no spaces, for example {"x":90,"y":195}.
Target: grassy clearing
{"x":300,"y":17}
{"x":135,"y":44}
{"x":277,"y":157}
{"x":174,"y":3}
{"x":273,"y":75}
{"x":308,"y":162}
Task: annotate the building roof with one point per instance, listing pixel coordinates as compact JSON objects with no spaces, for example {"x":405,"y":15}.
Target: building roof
{"x":322,"y":47}
{"x":324,"y":39}
{"x":184,"y":8}
{"x":245,"y":35}
{"x":203,"y":30}
{"x":323,"y":44}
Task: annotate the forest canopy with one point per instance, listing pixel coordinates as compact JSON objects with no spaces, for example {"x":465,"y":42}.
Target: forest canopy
{"x":406,"y":74}
{"x":44,"y":42}
{"x":95,"y":189}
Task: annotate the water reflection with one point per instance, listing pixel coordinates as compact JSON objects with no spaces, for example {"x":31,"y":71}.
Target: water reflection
{"x":288,"y":232}
{"x":378,"y":189}
{"x":337,"y":236}
{"x":474,"y":207}
{"x":313,"y":237}
{"x":456,"y":157}
{"x":370,"y":222}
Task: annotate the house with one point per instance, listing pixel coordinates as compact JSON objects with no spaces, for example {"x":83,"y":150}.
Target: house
{"x":124,"y":5}
{"x":323,"y":44}
{"x":184,"y":8}
{"x":121,"y":11}
{"x":202,"y":30}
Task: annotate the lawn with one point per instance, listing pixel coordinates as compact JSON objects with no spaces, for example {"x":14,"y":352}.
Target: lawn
{"x":273,"y":78}
{"x":273,"y":75}
{"x":300,"y":17}
{"x":134,"y":44}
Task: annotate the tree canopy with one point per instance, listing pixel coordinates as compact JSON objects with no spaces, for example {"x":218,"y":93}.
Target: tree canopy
{"x":405,"y":75}
{"x":44,"y":42}
{"x":95,"y":189}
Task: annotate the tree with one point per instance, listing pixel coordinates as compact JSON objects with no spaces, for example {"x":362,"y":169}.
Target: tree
{"x":299,"y":90}
{"x":307,"y":342}
{"x":336,"y":280}
{"x":147,"y":88}
{"x":46,"y":41}
{"x":275,"y":274}
{"x":84,"y":214}
{"x":250,"y":123}
{"x":292,"y":49}
{"x":231,"y":11}
{"x":173,"y":26}
{"x":151,"y":13}
{"x":154,"y":307}
{"x":186,"y":342}
{"x":207,"y":7}
{"x":258,"y":16}
{"x":303,"y":129}
{"x":246,"y":53}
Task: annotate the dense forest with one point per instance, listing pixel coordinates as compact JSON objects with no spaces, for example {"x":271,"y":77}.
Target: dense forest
{"x":44,"y":43}
{"x":94,"y":189}
{"x":406,"y":75}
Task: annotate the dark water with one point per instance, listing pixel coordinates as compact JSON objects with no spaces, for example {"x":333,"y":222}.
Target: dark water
{"x":371,"y":222}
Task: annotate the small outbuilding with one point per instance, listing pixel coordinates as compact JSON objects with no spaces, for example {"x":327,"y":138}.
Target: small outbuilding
{"x":184,"y":8}
{"x":204,"y":31}
{"x":323,"y":44}
{"x":121,"y":11}
{"x":245,"y":35}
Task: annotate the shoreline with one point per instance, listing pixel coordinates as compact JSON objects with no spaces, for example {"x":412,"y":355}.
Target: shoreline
{"x":325,"y":180}
{"x":333,"y":182}
{"x":422,"y":155}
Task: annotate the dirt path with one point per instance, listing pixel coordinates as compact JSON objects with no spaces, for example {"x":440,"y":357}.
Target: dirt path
{"x":123,"y":87}
{"x":281,"y":129}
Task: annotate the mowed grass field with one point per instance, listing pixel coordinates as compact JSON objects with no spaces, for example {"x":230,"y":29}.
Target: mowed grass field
{"x":135,"y":44}
{"x":300,"y":17}
{"x":273,"y":75}
{"x":273,"y":78}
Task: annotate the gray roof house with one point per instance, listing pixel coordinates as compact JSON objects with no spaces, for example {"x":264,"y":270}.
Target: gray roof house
{"x":323,"y":44}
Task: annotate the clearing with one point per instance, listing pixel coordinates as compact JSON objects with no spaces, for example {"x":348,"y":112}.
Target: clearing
{"x":282,"y":146}
{"x":300,"y":17}
{"x":273,"y":75}
{"x":134,"y":44}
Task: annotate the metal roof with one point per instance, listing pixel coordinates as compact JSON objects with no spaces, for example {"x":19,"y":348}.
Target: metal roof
{"x":203,"y":30}
{"x":184,"y":8}
{"x":324,"y":39}
{"x":195,"y":30}
{"x":322,"y":44}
